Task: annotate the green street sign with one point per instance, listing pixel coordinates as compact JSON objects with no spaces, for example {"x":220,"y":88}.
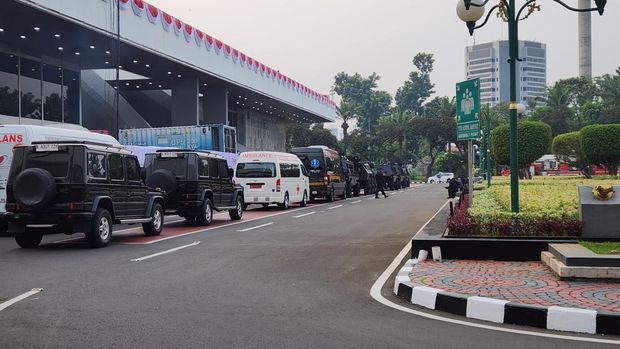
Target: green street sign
{"x":468,"y":110}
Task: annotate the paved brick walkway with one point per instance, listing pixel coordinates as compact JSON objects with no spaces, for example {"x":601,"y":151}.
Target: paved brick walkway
{"x":522,"y":282}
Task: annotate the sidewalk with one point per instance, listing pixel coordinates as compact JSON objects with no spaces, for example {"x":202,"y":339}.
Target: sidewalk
{"x":523,"y":282}
{"x":519,"y":293}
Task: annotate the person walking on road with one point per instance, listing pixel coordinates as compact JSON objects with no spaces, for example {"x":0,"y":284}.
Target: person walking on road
{"x":380,"y":184}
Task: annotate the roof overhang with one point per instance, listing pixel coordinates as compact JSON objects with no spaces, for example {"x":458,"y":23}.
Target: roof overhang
{"x":154,"y":45}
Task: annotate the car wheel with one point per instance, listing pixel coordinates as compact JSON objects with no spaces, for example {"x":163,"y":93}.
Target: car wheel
{"x":206,"y":214}
{"x":304,"y":200}
{"x":237,"y":212}
{"x":28,"y":239}
{"x":432,"y":181}
{"x":100,"y":233}
{"x":348,"y":191}
{"x":155,"y":227}
{"x":285,"y":204}
{"x":330,"y":195}
{"x":357,"y":190}
{"x":344,"y":194}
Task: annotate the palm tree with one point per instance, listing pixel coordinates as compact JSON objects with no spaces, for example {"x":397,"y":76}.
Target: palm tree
{"x":346,"y":112}
{"x":557,"y":111}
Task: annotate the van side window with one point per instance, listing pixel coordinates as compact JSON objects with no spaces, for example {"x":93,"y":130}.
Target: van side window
{"x":304,"y":171}
{"x":97,"y":166}
{"x":223,"y":168}
{"x":133,"y":168}
{"x":290,"y":170}
{"x":213,"y":169}
{"x":116,"y":167}
{"x":203,"y":167}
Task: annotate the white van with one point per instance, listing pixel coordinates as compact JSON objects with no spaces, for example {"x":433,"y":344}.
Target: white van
{"x":271,"y":177}
{"x":12,"y":135}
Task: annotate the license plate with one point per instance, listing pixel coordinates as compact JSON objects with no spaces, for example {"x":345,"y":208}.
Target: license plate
{"x":315,"y":192}
{"x":46,"y":147}
{"x":256,"y":186}
{"x":169,"y":155}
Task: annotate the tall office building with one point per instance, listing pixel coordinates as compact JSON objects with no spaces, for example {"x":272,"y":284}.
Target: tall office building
{"x":489,"y":62}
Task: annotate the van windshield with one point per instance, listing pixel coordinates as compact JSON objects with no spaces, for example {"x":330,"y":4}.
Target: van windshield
{"x":174,"y":165}
{"x":256,"y":170}
{"x":314,"y":162}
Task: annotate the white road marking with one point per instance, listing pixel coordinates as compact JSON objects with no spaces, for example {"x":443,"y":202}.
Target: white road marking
{"x":304,"y":215}
{"x":356,"y":202}
{"x":334,"y":207}
{"x":256,"y":227}
{"x":116,"y":231}
{"x":164,"y":252}
{"x":375,"y":292}
{"x":19,"y":298}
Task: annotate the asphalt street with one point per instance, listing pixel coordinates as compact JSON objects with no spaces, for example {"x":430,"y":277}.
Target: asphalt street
{"x":300,"y":279}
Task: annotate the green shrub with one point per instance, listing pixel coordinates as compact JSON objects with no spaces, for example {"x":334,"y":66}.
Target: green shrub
{"x":601,"y":144}
{"x":567,"y":149}
{"x":534,"y":141}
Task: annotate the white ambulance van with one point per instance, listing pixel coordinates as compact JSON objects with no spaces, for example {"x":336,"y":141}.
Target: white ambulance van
{"x":272,"y":178}
{"x":12,"y":135}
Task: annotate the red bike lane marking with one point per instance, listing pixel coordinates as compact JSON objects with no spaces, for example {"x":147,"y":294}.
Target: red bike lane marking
{"x":135,"y":236}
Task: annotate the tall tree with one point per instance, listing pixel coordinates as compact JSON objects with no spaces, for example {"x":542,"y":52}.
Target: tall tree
{"x":395,"y":127}
{"x":558,"y":112}
{"x":440,"y":106}
{"x":347,"y":112}
{"x":436,"y":133}
{"x":361,"y":92}
{"x":419,"y":87}
{"x":609,"y":91}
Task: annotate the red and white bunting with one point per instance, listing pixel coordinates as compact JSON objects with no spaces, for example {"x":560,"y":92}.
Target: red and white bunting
{"x":178,"y":26}
{"x":209,"y":41}
{"x":242,"y":59}
{"x":138,"y":7}
{"x":188,"y":32}
{"x":166,"y":21}
{"x":218,"y":46}
{"x":235,"y":55}
{"x":199,"y":36}
{"x":152,"y":13}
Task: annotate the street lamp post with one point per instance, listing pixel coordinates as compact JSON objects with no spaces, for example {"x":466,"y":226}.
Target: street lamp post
{"x":471,"y":11}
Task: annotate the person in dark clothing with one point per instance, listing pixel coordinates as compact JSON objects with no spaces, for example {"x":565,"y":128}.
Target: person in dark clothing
{"x":380,"y":184}
{"x":453,"y":187}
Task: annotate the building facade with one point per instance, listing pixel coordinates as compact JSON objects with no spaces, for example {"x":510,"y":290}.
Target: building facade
{"x":490,"y":63}
{"x":123,"y":64}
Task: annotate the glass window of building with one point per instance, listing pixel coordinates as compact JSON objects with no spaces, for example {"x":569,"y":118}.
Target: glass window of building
{"x":30,"y":85}
{"x":52,"y":93}
{"x":9,"y":93}
{"x":71,"y":96}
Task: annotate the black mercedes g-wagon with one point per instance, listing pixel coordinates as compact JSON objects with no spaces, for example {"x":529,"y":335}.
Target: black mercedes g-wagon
{"x":78,"y":187}
{"x":195,"y":183}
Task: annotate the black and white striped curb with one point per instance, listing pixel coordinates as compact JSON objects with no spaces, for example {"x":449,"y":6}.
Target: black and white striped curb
{"x":502,"y":311}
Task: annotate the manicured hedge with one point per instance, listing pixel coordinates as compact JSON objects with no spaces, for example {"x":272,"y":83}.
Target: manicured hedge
{"x":601,"y":144}
{"x":534,"y":141}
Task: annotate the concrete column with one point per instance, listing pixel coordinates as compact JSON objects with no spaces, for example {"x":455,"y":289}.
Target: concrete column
{"x":585,"y":39}
{"x":215,"y":105}
{"x":185,"y":102}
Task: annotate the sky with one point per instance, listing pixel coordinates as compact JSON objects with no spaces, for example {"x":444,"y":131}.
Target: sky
{"x":312,"y":40}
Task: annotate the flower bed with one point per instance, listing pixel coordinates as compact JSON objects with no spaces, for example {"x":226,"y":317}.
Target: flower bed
{"x":549,"y":207}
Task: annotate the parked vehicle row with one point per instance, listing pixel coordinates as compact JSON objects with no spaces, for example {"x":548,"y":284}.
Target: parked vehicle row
{"x":84,"y":187}
{"x":395,"y":176}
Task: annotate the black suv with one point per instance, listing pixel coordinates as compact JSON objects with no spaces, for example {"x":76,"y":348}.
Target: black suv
{"x":390,"y":176}
{"x":68,"y":187}
{"x":352,"y":177}
{"x":366,"y":177}
{"x":195,"y":183}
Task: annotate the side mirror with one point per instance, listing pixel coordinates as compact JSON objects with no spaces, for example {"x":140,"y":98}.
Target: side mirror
{"x":231,"y":173}
{"x":143,"y":173}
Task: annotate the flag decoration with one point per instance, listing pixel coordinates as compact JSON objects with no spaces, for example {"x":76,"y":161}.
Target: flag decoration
{"x":191,"y":34}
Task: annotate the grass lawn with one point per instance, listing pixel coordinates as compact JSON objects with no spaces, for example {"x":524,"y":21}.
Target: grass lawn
{"x":601,"y":247}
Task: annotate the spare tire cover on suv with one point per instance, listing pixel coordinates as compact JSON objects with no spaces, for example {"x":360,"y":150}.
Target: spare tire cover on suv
{"x":164,"y":180}
{"x":34,"y":188}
